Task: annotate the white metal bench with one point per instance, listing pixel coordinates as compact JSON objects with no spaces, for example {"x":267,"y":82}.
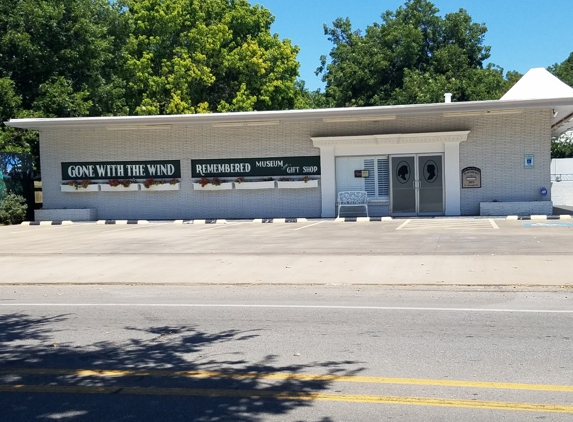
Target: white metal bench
{"x":353,"y":199}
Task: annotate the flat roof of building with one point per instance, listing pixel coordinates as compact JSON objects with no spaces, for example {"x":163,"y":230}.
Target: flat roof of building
{"x":562,"y":115}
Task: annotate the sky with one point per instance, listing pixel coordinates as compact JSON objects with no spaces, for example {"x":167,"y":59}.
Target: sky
{"x":522,"y":33}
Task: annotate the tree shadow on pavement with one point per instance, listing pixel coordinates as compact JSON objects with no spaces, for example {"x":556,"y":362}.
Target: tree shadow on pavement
{"x":160,"y":373}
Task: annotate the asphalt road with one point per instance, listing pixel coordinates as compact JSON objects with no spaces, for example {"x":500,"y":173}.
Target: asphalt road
{"x":284,"y":353}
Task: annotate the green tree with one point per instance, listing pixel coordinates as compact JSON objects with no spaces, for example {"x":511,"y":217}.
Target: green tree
{"x":198,"y":56}
{"x":412,"y":56}
{"x":12,"y":209}
{"x":61,"y":45}
{"x":58,"y":58}
{"x":310,"y":99}
{"x":562,"y":147}
{"x":564,"y":70}
{"x":9,"y":100}
{"x":13,"y":140}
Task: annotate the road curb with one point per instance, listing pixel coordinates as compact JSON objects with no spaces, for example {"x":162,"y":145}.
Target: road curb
{"x":285,"y":220}
{"x":47,"y":223}
{"x":408,"y":286}
{"x":539,"y":217}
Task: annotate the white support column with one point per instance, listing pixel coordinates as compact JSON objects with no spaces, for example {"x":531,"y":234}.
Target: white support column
{"x":328,"y":181}
{"x":452,"y":178}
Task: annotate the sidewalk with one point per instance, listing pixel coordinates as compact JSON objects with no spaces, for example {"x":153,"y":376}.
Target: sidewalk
{"x":290,"y":269}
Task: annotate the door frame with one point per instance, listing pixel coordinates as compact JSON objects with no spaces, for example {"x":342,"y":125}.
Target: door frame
{"x":416,"y":181}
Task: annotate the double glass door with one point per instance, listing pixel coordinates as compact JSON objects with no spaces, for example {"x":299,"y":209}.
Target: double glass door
{"x":417,"y":184}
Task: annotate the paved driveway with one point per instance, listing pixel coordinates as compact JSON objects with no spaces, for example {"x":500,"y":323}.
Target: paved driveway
{"x":459,"y":251}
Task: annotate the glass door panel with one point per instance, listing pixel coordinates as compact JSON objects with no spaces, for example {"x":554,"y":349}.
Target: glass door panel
{"x":403,"y":185}
{"x":431,"y":184}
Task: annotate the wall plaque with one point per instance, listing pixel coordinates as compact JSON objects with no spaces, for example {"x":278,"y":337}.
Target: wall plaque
{"x":471,"y":177}
{"x":270,"y":166}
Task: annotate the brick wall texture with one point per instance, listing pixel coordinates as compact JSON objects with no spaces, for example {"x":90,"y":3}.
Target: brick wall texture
{"x":516,"y":208}
{"x":496,"y":144}
{"x":87,"y":214}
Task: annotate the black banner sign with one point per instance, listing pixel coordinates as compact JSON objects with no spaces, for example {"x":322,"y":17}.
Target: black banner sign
{"x":121,"y":170}
{"x":275,"y":166}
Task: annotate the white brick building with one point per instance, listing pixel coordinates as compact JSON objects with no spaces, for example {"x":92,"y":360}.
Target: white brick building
{"x":488,"y":157}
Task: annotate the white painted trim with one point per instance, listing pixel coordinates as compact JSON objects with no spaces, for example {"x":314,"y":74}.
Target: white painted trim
{"x":297,"y":184}
{"x":162,"y":187}
{"x":210,"y":186}
{"x":89,"y":188}
{"x":268,"y":184}
{"x":107,"y":188}
{"x":328,"y":181}
{"x":397,"y":138}
{"x":392,"y":144}
{"x":452,"y":179}
{"x":400,"y":111}
{"x":348,"y":151}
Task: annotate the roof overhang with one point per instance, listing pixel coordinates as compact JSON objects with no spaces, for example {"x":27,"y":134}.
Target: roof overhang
{"x":561,"y":108}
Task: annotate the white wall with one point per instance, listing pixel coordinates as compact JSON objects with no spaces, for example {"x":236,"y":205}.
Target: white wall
{"x":179,"y":143}
{"x":562,"y":166}
{"x":562,"y":193}
{"x":496,"y":144}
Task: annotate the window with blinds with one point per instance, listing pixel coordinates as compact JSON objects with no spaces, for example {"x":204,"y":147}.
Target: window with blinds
{"x":383,"y":174}
{"x":377,"y":184}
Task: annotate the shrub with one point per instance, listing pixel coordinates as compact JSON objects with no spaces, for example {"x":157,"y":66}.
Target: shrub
{"x":12,"y":209}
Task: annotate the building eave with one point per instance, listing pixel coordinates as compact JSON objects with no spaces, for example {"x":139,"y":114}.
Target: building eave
{"x":561,"y":107}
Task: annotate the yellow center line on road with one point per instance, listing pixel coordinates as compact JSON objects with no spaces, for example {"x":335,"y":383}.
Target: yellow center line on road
{"x":287,"y":376}
{"x":286,"y":395}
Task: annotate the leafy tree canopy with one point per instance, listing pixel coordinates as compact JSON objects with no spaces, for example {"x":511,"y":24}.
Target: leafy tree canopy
{"x":562,"y":147}
{"x":71,"y":58}
{"x":67,"y":46}
{"x":58,"y":58}
{"x":199,"y":56}
{"x":564,"y":70}
{"x":412,"y":56}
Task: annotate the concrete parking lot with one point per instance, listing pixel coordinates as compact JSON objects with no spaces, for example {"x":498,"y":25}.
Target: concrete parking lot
{"x":441,"y":251}
{"x":436,"y":319}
